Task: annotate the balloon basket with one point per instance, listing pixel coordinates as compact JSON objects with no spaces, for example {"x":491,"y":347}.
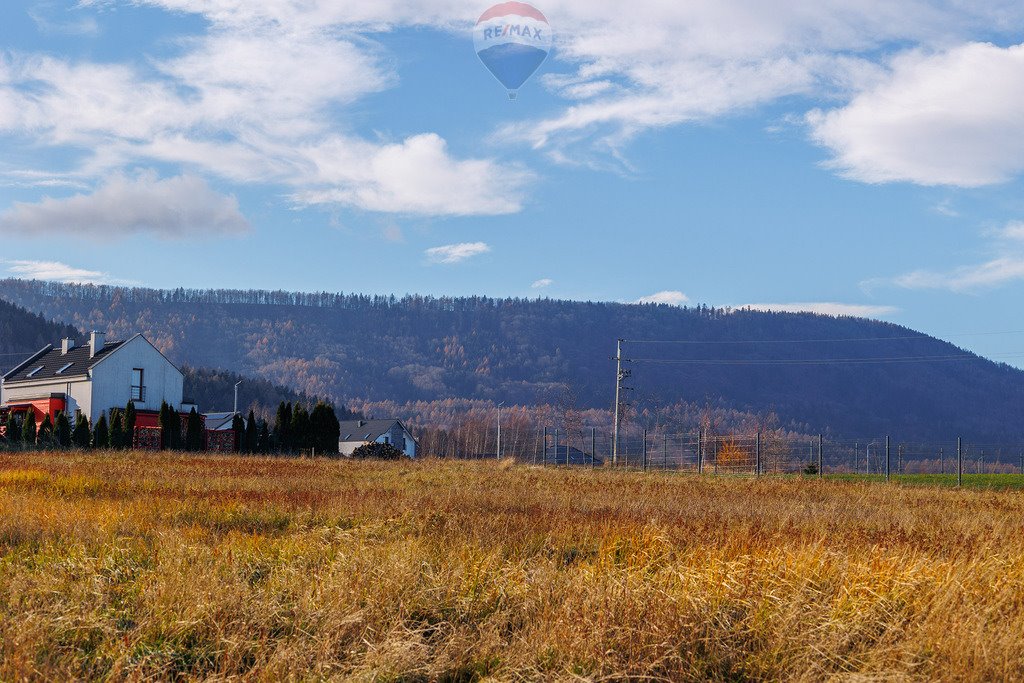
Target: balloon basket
{"x":513,"y":95}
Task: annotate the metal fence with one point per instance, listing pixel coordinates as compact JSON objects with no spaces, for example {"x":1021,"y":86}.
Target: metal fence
{"x":760,"y":454}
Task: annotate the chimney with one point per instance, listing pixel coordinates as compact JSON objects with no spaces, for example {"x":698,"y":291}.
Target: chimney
{"x":66,"y":345}
{"x":97,"y":340}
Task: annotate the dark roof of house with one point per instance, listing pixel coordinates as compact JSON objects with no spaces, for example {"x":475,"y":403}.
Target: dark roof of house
{"x":51,"y":361}
{"x":365,"y":430}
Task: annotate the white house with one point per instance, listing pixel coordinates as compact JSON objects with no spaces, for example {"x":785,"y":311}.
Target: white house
{"x":356,"y":433}
{"x":93,"y":379}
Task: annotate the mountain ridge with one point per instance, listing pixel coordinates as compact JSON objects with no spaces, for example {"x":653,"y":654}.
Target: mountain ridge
{"x":529,"y":351}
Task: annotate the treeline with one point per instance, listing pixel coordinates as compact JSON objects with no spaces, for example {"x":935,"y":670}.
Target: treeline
{"x":468,"y":429}
{"x":115,"y":433}
{"x":295,"y":430}
{"x":142,"y":295}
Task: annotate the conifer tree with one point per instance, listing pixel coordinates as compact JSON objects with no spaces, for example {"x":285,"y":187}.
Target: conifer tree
{"x":300,"y":428}
{"x":129,"y":424}
{"x":263,"y":443}
{"x":251,"y":434}
{"x":117,"y":441}
{"x":164,"y":421}
{"x":194,"y":432}
{"x":81,"y":435}
{"x":12,"y":430}
{"x":238,"y":427}
{"x":28,"y":429}
{"x":325,"y":429}
{"x":283,"y":427}
{"x":62,"y":430}
{"x":101,"y":433}
{"x":45,"y":436}
{"x":177,"y":441}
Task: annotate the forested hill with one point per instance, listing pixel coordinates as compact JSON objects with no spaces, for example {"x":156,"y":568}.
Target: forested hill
{"x":527,"y":351}
{"x":23,"y":333}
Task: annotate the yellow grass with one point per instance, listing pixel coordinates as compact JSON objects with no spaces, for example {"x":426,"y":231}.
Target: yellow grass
{"x":161,"y":567}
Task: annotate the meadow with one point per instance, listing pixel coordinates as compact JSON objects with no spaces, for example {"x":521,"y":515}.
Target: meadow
{"x":163,"y":567}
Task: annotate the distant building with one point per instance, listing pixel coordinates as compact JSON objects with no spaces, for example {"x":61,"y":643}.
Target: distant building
{"x":91,"y":379}
{"x":356,"y":433}
{"x":220,"y":422}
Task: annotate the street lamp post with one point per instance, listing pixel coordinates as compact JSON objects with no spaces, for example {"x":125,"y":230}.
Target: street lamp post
{"x":236,"y":394}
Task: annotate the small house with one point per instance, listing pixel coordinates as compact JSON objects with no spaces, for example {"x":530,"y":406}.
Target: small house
{"x":356,"y":433}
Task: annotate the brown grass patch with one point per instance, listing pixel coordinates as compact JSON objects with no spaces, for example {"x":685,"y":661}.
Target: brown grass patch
{"x":164,"y":567}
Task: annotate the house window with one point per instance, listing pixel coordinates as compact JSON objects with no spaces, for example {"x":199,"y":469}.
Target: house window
{"x":138,"y":387}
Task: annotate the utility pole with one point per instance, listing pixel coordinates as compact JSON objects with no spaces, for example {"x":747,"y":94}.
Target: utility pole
{"x":757,"y":456}
{"x":620,"y":375}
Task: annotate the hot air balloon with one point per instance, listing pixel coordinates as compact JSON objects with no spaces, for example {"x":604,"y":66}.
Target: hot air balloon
{"x":512,"y":39}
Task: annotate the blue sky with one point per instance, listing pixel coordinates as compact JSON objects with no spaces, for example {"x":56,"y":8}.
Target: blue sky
{"x":847,"y":157}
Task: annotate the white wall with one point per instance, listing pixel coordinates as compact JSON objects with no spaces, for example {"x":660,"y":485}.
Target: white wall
{"x":112,"y":379}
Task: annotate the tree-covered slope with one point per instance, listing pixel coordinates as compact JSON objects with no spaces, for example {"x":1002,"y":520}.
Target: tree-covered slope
{"x":525,"y":351}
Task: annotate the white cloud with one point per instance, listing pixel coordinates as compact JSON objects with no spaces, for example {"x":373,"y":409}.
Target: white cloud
{"x":1004,"y":267}
{"x":1014,"y":230}
{"x":417,"y":176}
{"x":543,"y":283}
{"x":260,"y":98}
{"x":172,"y":208}
{"x":662,"y":64}
{"x":946,"y":208}
{"x":952,"y":118}
{"x":826,"y":308}
{"x":670,"y":298}
{"x":456,"y":253}
{"x":60,"y":272}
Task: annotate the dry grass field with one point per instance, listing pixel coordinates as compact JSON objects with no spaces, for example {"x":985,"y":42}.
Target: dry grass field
{"x":163,"y":567}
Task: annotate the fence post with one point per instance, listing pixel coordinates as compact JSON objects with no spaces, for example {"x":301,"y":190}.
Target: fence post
{"x":757,"y":456}
{"x":700,"y":451}
{"x":556,"y":449}
{"x":942,"y":460}
{"x":899,"y":459}
{"x":716,"y":457}
{"x":593,"y":447}
{"x":821,"y":457}
{"x":544,"y":445}
{"x":887,"y":454}
{"x":645,"y":451}
{"x":959,"y":461}
{"x":664,"y":454}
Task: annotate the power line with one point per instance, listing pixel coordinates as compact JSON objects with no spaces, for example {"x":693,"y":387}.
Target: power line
{"x":807,"y":361}
{"x":818,"y":341}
